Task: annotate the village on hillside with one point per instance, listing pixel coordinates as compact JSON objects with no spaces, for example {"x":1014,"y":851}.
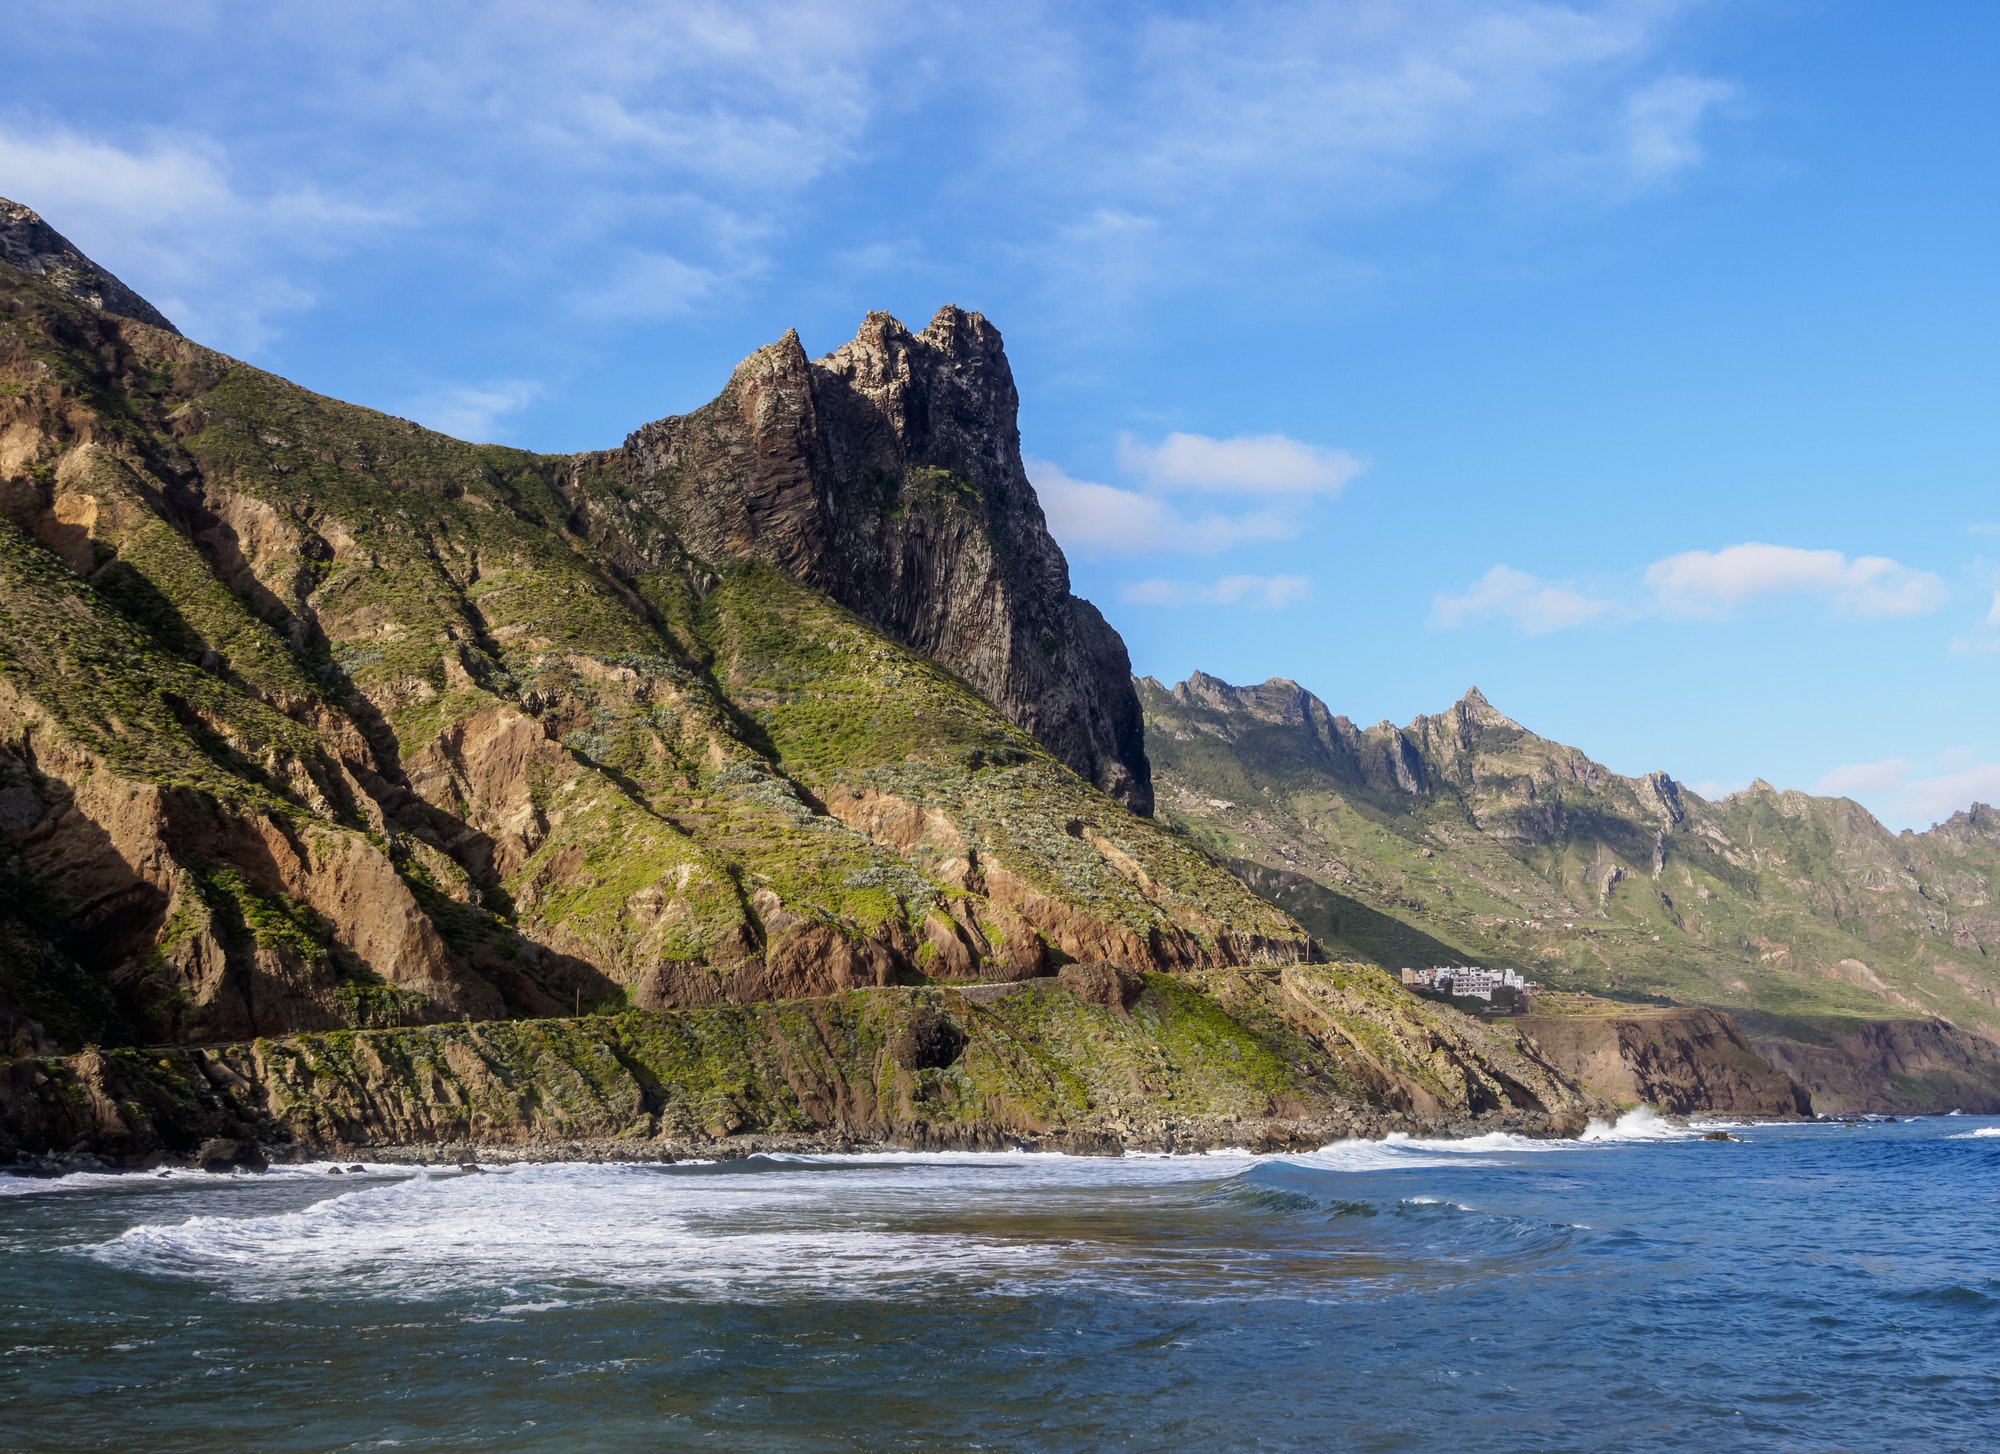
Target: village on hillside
{"x":1504,"y":990}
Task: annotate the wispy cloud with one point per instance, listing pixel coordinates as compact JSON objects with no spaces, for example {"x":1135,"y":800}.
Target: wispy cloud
{"x":1282,"y":476}
{"x":1864,"y":777}
{"x":170,"y":218}
{"x":1663,"y":123}
{"x":1269,"y":592}
{"x":1901,"y":796}
{"x":470,"y":411}
{"x":1701,"y":585}
{"x":1714,"y":585}
{"x":684,"y":139}
{"x":1505,"y":594}
{"x":1264,"y":465}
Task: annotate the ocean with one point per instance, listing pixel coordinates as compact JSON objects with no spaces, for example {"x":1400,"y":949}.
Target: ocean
{"x":1812,"y":1287}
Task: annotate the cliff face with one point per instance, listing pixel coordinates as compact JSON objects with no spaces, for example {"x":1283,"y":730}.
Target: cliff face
{"x":312,"y":718}
{"x":888,"y":476}
{"x":1920,"y":1067}
{"x":1679,"y":1060}
{"x":1465,"y":838}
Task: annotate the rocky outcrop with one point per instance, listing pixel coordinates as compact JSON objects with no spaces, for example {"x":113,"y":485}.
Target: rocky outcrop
{"x":1683,"y":1061}
{"x":310,"y":718}
{"x":30,"y":244}
{"x":1908,"y":1066}
{"x":888,"y":475}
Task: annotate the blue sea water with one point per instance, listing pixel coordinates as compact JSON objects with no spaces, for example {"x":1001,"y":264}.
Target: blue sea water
{"x":1810,"y":1287}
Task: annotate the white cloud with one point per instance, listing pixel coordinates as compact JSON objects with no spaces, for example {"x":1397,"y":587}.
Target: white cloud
{"x":1711,"y":586}
{"x":1715,"y":791}
{"x":1507,"y":594}
{"x":1901,"y":799}
{"x":469,"y":411}
{"x":647,"y":285}
{"x":1663,"y":124}
{"x":1864,"y":777}
{"x":169,"y":219}
{"x":1269,"y":592}
{"x":1098,"y":519}
{"x":1095,"y":519}
{"x":1264,"y":465}
{"x":1933,"y":799}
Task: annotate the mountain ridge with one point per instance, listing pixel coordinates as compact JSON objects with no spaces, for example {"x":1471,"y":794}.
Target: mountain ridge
{"x":1467,"y":836}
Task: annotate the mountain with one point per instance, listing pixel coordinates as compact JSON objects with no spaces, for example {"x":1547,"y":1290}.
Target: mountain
{"x":1858,"y":959}
{"x":314,"y":718}
{"x":758,"y":781}
{"x":888,"y":476}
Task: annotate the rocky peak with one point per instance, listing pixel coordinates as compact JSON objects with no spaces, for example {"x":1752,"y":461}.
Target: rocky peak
{"x":30,"y":244}
{"x":1664,"y":794}
{"x":1473,"y":710}
{"x":888,"y":475}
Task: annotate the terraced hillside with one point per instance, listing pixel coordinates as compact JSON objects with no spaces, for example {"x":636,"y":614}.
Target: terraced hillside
{"x":1858,"y":959}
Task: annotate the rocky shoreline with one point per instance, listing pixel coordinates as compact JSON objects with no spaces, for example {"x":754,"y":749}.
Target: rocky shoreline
{"x":1177,"y":1136}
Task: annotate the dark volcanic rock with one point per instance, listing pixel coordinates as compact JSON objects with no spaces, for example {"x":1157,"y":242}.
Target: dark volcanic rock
{"x":928,"y":1041}
{"x":220,"y":1153}
{"x":33,"y":246}
{"x":889,"y":476}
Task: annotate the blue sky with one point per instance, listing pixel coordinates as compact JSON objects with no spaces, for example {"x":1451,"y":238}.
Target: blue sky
{"x":1634,"y":361}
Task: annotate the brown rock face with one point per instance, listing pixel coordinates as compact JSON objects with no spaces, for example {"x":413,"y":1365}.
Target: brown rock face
{"x":1925,"y":1066}
{"x":1099,"y":982}
{"x":888,"y":475}
{"x":1680,"y":1060}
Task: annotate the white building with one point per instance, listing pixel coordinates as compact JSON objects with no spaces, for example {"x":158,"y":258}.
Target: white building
{"x":1468,"y":980}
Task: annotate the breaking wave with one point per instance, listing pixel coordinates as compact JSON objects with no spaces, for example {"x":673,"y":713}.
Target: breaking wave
{"x":1641,"y":1124}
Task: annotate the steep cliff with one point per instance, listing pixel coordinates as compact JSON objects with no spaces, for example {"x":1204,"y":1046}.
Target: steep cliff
{"x":888,"y":476}
{"x":1918,"y":1067}
{"x":1682,"y":1061}
{"x":1463,"y":837}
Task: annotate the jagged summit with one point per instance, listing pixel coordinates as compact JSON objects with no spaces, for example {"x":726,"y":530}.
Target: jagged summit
{"x":30,"y":244}
{"x":888,"y":475}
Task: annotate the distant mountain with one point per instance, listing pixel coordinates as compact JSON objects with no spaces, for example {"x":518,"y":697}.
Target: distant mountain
{"x":1861,"y":960}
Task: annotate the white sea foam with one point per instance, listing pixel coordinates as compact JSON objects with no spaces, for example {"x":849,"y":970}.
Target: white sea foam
{"x":863,"y":1226}
{"x":1640,"y":1124}
{"x":16,"y":1185}
{"x":1980,"y":1134}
